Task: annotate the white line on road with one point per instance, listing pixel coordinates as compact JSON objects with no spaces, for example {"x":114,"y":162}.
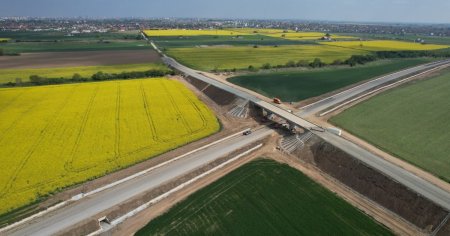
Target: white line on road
{"x":179,"y":187}
{"x":83,"y":195}
{"x":376,"y":90}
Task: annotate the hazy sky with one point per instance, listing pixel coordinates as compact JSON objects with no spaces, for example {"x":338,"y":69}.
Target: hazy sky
{"x":429,"y":11}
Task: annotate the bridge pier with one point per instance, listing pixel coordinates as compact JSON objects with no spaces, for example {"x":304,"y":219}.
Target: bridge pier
{"x":269,"y":115}
{"x":292,"y":127}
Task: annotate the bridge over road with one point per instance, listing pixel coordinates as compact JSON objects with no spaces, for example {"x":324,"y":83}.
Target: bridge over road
{"x":417,"y":184}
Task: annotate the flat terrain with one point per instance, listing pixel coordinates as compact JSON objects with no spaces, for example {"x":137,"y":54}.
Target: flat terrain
{"x":385,"y":45}
{"x":240,"y":57}
{"x":10,"y":75}
{"x":88,"y":58}
{"x":300,"y":85}
{"x":411,"y":122}
{"x":406,"y":37}
{"x":259,"y":30}
{"x":50,"y":41}
{"x":264,"y":198}
{"x":289,"y":34}
{"x":222,"y":40}
{"x":306,"y":35}
{"x":186,"y":32}
{"x":71,"y":46}
{"x":56,"y":136}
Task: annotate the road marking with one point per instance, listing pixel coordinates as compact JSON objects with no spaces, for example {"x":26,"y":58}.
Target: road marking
{"x":376,"y":90}
{"x":179,"y":187}
{"x":83,"y":195}
{"x":368,"y":82}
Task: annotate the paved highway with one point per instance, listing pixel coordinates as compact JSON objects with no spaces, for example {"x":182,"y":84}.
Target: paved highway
{"x":421,"y":186}
{"x":363,"y":88}
{"x":61,"y":219}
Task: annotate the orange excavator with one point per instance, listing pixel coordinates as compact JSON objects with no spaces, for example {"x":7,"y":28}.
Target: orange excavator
{"x":276,"y":100}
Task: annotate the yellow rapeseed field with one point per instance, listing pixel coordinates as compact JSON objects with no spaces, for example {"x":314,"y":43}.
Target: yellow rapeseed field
{"x":185,"y":32}
{"x":386,"y":45}
{"x":288,"y":34}
{"x":258,"y":30}
{"x":306,"y":36}
{"x":9,"y":75}
{"x":55,"y":136}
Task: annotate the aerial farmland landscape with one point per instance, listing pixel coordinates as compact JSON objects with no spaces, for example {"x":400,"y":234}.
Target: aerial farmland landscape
{"x":193,"y":118}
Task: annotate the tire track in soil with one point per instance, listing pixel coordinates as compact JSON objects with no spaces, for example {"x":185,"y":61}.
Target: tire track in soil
{"x":69,"y":165}
{"x":35,"y":145}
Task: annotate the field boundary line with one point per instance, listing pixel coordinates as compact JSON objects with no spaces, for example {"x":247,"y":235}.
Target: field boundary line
{"x":177,"y":110}
{"x":376,"y":79}
{"x":83,"y":195}
{"x":378,"y":89}
{"x":177,"y":188}
{"x":442,"y":224}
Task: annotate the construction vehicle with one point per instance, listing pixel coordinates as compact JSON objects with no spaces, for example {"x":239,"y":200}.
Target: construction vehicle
{"x":276,"y":100}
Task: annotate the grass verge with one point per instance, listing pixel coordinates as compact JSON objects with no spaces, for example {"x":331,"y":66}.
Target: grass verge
{"x":411,"y":122}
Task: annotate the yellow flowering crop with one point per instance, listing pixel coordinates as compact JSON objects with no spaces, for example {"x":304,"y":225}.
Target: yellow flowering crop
{"x":258,"y":30}
{"x":307,"y":36}
{"x":288,"y":34}
{"x":55,"y":136}
{"x":9,"y":75}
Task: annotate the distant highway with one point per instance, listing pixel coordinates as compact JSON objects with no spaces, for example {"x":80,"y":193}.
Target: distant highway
{"x":63,"y":218}
{"x":360,"y":89}
{"x":419,"y":185}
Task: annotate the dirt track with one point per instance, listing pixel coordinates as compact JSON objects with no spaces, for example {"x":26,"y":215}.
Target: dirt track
{"x":67,"y":59}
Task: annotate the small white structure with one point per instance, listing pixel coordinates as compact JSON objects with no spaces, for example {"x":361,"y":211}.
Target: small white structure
{"x":335,"y":131}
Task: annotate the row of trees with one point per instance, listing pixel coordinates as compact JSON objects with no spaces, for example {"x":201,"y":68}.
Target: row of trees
{"x":99,"y":76}
{"x":356,"y":59}
{"x":316,"y":63}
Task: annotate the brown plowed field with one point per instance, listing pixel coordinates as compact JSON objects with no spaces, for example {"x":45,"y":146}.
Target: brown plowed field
{"x":68,"y":59}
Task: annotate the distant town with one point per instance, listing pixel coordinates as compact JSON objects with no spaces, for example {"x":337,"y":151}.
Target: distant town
{"x":86,"y":25}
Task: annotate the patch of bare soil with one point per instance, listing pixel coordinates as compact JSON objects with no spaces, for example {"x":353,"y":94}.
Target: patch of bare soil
{"x":219,"y":96}
{"x":133,"y":224}
{"x":229,"y":126}
{"x":324,"y":121}
{"x":301,"y":161}
{"x":87,"y":58}
{"x":445,"y":230}
{"x":377,"y":187}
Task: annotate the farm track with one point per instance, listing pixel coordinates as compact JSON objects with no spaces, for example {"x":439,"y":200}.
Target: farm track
{"x":199,"y":113}
{"x":179,"y":114}
{"x":150,"y":120}
{"x":75,"y":147}
{"x":117,"y":126}
{"x":5,"y":188}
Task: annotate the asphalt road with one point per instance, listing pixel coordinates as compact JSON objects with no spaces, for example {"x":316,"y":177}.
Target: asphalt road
{"x":419,"y":185}
{"x":363,"y":88}
{"x":70,"y":215}
{"x":65,"y":217}
{"x":413,"y":182}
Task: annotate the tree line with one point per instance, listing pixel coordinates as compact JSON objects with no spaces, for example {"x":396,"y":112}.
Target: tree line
{"x":99,"y":76}
{"x":356,"y":59}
